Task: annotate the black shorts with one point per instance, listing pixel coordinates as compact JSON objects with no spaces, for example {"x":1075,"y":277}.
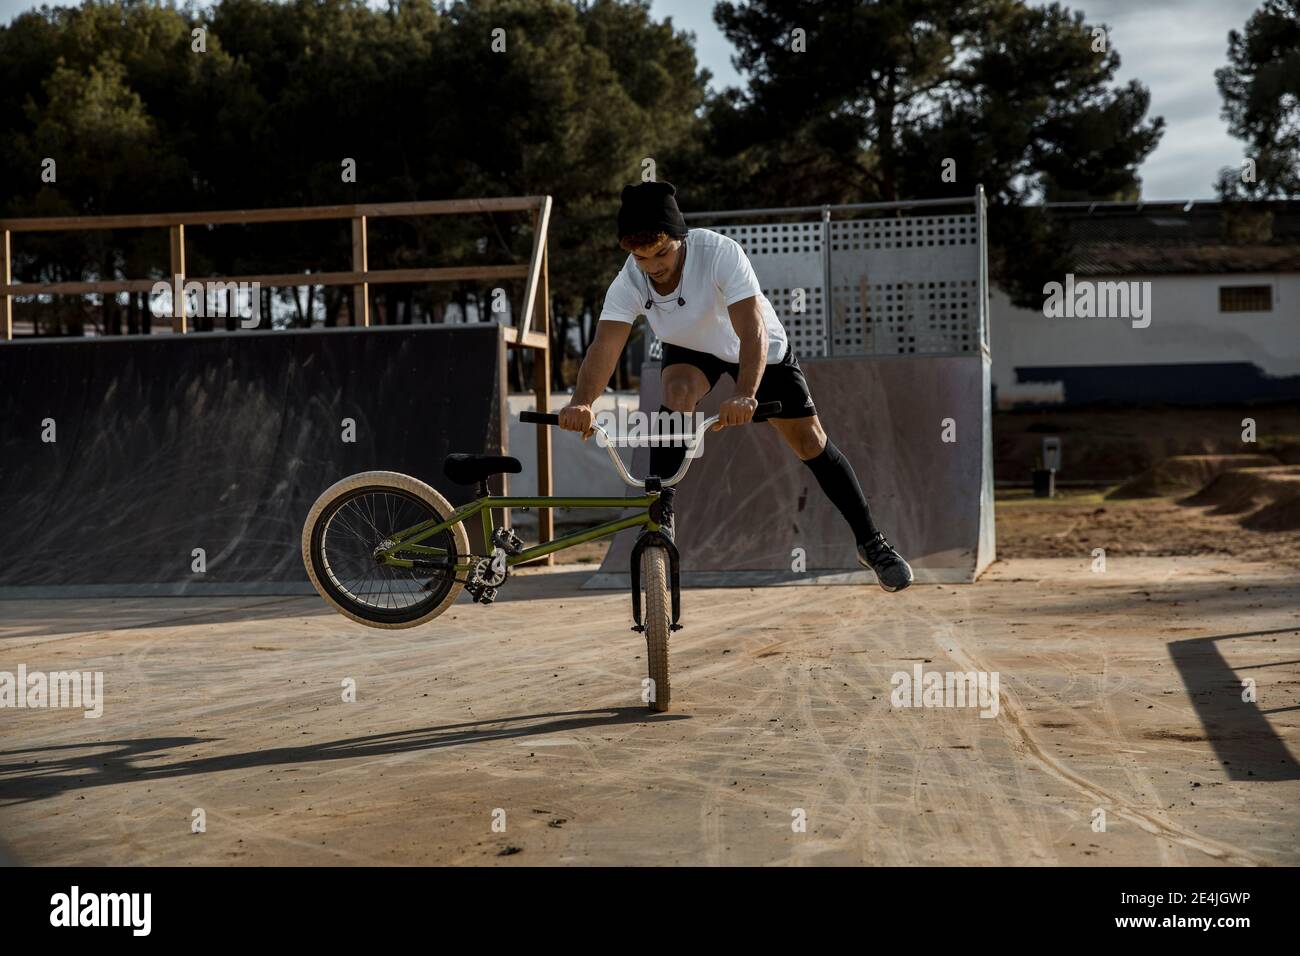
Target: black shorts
{"x":782,"y":381}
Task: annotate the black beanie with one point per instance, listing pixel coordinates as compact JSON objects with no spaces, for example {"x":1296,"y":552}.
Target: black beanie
{"x":650,"y":207}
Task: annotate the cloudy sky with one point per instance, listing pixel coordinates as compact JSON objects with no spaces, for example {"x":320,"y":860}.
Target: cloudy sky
{"x":1173,"y":46}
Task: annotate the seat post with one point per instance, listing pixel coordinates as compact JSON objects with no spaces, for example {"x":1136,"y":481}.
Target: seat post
{"x":483,"y":488}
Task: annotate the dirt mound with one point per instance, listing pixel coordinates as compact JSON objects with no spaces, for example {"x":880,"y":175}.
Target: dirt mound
{"x":1184,"y":474}
{"x":1267,"y":499}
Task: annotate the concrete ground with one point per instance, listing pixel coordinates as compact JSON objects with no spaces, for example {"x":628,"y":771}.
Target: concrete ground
{"x":514,"y":734}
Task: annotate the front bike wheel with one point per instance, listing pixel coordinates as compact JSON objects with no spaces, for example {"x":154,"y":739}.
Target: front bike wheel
{"x":346,"y":525}
{"x":658,"y":611}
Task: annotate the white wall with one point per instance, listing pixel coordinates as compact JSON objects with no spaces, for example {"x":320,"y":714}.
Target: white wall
{"x":1186,"y":326}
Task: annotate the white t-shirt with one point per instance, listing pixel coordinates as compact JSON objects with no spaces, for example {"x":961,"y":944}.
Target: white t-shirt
{"x":717,"y":274}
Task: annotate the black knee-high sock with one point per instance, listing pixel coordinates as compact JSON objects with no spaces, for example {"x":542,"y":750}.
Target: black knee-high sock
{"x":834,"y":473}
{"x":666,"y":459}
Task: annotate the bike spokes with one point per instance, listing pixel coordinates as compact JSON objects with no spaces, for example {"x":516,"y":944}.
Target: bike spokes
{"x":357,"y":538}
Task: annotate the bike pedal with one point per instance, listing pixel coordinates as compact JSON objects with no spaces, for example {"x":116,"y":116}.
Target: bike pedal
{"x":507,"y":541}
{"x":486,"y":596}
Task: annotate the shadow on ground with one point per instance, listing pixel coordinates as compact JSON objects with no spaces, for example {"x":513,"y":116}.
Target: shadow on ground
{"x":50,"y":771}
{"x":1237,"y":729}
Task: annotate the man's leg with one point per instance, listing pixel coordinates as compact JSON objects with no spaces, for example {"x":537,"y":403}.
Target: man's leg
{"x":683,"y":386}
{"x":832,"y":470}
{"x":837,"y":479}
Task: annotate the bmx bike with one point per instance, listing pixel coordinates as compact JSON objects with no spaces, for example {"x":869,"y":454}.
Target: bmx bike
{"x":387,"y":550}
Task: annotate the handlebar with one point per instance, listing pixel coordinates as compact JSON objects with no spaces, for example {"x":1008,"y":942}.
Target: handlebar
{"x":539,"y":418}
{"x":761,"y":414}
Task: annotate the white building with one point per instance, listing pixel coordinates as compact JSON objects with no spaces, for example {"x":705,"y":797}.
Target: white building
{"x":1224,"y":309}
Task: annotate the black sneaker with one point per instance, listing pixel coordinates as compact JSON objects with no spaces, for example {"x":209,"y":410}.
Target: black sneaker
{"x":892,"y":572}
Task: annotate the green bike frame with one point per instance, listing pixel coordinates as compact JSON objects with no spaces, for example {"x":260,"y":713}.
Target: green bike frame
{"x":407,"y":541}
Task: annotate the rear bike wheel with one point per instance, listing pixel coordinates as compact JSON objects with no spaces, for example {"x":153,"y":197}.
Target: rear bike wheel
{"x":350,"y":520}
{"x":658,"y":624}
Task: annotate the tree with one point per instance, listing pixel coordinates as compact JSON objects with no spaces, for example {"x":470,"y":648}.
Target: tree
{"x":882,"y":92}
{"x":1261,"y":103}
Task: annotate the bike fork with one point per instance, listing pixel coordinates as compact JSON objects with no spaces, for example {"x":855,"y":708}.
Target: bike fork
{"x":662,"y":511}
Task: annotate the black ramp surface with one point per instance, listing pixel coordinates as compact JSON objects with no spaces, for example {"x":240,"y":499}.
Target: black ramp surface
{"x":220,"y":442}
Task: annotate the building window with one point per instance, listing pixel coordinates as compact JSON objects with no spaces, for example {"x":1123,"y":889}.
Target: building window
{"x":1245,"y":298}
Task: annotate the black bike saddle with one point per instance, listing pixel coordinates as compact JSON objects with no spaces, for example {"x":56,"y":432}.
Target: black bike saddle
{"x":471,"y":469}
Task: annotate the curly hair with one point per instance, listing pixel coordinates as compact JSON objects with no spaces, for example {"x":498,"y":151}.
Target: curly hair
{"x":641,"y":241}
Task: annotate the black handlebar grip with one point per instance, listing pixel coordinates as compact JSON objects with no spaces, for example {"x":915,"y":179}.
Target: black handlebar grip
{"x":539,"y":418}
{"x":766,"y":411}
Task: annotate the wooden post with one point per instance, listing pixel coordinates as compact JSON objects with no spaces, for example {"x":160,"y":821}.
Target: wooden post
{"x":6,"y":300}
{"x":500,"y":484}
{"x":542,"y":393}
{"x":360,"y":263}
{"x":179,"y":323}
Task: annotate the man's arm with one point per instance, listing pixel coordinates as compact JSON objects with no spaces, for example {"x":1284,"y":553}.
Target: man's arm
{"x":747,"y":319}
{"x":594,"y":374}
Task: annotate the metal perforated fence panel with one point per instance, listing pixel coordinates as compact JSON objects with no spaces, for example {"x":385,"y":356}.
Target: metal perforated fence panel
{"x":787,"y":258}
{"x":893,"y":279}
{"x":905,"y":285}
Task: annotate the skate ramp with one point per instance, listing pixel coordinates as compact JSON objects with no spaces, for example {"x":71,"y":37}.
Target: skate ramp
{"x":750,"y":512}
{"x":219,"y":442}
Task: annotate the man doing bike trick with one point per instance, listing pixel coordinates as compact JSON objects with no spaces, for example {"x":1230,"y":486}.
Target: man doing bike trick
{"x":699,"y":293}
